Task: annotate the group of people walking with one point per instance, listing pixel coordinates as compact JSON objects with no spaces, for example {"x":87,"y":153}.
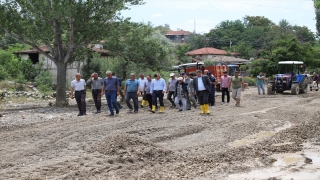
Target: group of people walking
{"x":189,"y":89}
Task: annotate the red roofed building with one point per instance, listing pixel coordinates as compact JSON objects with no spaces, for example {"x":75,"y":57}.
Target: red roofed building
{"x":177,"y":36}
{"x":205,"y":53}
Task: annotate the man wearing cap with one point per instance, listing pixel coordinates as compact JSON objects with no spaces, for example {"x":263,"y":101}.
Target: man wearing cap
{"x":79,"y":87}
{"x":157,"y":90}
{"x":171,"y":88}
{"x":202,"y":86}
{"x":237,"y":86}
{"x":142,"y":80}
{"x":132,"y":90}
{"x":181,"y":94}
{"x":96,"y":86}
{"x":224,"y":86}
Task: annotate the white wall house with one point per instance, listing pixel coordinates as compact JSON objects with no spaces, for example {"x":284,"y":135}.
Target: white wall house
{"x":72,"y":69}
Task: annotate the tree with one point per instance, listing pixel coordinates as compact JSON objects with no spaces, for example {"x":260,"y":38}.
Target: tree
{"x":180,"y":51}
{"x":224,"y":33}
{"x":196,"y":41}
{"x":63,"y":26}
{"x":162,"y":29}
{"x":137,"y":45}
{"x":246,"y":51}
{"x":254,"y":21}
{"x":317,"y":11}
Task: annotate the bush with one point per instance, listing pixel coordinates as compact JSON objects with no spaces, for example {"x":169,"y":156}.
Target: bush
{"x":3,"y":74}
{"x":44,"y":81}
{"x":250,"y":81}
{"x":44,"y":88}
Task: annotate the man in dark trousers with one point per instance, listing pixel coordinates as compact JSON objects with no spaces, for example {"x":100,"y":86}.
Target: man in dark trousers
{"x":111,"y":89}
{"x":96,"y":86}
{"x":78,"y":86}
{"x":202,"y":87}
{"x":147,"y":92}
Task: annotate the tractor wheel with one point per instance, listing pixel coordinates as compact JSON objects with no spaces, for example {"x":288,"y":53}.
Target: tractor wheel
{"x":295,"y":89}
{"x":269,"y":90}
{"x":304,"y":86}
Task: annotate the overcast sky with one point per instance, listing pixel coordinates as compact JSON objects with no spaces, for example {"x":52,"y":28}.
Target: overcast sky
{"x":208,"y":13}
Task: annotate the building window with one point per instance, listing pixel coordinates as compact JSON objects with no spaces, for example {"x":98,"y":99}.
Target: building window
{"x":34,"y":58}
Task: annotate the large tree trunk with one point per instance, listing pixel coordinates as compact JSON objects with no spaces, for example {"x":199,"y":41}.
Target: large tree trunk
{"x":61,"y":84}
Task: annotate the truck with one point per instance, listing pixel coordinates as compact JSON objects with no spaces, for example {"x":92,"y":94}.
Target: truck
{"x":217,"y":71}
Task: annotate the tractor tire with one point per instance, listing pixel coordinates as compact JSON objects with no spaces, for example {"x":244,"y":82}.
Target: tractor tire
{"x":304,"y":86}
{"x":269,"y":90}
{"x":295,"y":89}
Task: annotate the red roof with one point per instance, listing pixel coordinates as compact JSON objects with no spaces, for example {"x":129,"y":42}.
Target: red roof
{"x":178,"y":32}
{"x":206,"y":51}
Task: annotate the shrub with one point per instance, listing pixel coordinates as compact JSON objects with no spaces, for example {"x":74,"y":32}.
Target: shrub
{"x":250,"y":81}
{"x":44,"y":81}
{"x":3,"y":74}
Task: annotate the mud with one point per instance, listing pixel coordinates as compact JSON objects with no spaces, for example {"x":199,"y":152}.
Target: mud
{"x":267,"y":137}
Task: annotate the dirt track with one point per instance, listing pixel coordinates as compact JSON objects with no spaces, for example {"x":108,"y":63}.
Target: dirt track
{"x":40,"y":142}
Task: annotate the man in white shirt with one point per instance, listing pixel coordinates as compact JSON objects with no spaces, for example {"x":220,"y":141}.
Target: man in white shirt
{"x":78,"y":86}
{"x":157,"y":89}
{"x":202,"y":87}
{"x":142,"y":81}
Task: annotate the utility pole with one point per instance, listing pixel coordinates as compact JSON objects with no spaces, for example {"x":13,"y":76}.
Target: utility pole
{"x":230,"y":46}
{"x":194,"y":27}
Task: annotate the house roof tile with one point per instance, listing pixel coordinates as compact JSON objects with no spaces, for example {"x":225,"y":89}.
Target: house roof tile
{"x":206,"y":51}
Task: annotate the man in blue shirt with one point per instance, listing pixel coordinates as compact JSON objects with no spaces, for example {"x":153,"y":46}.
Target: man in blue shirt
{"x":260,"y":83}
{"x":157,"y":89}
{"x":111,"y":90}
{"x":131,"y":91}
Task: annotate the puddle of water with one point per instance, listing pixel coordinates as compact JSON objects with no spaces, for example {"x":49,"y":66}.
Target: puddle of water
{"x":289,"y":166}
{"x":286,"y":159}
{"x":257,"y":137}
{"x":252,"y":138}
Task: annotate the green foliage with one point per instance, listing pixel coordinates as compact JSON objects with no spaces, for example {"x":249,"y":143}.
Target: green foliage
{"x":162,"y":29}
{"x":180,"y":51}
{"x":63,"y":26}
{"x":197,"y":41}
{"x":257,"y":66}
{"x":6,"y":40}
{"x":250,"y":81}
{"x":136,"y":45}
{"x":3,"y":73}
{"x":21,"y":81}
{"x":44,"y":81}
{"x":246,"y":51}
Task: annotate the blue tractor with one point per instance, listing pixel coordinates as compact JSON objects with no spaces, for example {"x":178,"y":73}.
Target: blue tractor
{"x":295,"y":82}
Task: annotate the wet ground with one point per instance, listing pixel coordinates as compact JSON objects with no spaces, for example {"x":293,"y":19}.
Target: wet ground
{"x":267,"y":137}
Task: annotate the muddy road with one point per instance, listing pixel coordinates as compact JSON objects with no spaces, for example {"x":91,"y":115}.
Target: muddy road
{"x":267,"y":137}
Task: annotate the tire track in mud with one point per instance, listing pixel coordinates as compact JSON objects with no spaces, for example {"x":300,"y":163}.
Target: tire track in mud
{"x":55,"y":137}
